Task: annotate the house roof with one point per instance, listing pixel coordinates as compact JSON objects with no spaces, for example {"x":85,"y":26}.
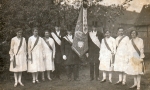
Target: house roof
{"x":128,"y":17}
{"x":144,"y":16}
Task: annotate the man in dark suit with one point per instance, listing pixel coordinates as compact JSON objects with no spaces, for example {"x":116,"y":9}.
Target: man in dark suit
{"x":94,"y":42}
{"x":71,"y":59}
{"x":57,"y":36}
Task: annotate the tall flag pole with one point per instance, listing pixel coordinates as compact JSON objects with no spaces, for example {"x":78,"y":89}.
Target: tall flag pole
{"x":80,"y":42}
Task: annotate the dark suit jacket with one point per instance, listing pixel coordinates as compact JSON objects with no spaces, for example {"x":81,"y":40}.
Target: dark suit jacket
{"x":94,"y":49}
{"x":72,"y":57}
{"x":58,"y":54}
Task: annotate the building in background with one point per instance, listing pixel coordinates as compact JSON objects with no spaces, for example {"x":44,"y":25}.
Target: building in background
{"x":126,"y":20}
{"x":142,"y":25}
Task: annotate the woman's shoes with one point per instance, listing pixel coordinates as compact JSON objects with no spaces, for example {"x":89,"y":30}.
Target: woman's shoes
{"x":21,"y":83}
{"x":16,"y":83}
{"x":110,"y":81}
{"x":49,"y":79}
{"x":33,"y":81}
{"x":123,"y":83}
{"x":37,"y":81}
{"x":119,"y":82}
{"x":133,"y":86}
{"x":104,"y":80}
{"x":138,"y":88}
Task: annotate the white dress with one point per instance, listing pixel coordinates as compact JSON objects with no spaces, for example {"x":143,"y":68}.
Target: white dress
{"x":37,"y":62}
{"x":49,"y":64}
{"x":21,"y":62}
{"x":135,"y":67}
{"x":105,"y":55}
{"x":121,"y":56}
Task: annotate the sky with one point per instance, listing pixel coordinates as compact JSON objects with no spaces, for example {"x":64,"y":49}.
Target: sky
{"x":135,"y":5}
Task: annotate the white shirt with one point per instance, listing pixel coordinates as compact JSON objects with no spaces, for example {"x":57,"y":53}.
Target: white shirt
{"x":58,"y":33}
{"x":93,"y":33}
{"x":70,"y":38}
{"x":95,"y":38}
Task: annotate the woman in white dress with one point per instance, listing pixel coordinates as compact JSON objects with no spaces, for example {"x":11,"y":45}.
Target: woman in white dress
{"x":136,"y":55}
{"x":121,"y":56}
{"x":17,"y":52}
{"x":49,"y":49}
{"x":36,"y":55}
{"x":106,"y":55}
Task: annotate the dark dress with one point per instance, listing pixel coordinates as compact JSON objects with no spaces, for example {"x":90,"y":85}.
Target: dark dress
{"x":58,"y":57}
{"x":72,"y":61}
{"x":94,"y":55}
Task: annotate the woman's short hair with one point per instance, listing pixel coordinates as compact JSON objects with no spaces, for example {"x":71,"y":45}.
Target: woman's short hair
{"x":133,"y":31}
{"x":120,"y":28}
{"x":35,"y":28}
{"x":106,"y":30}
{"x":18,"y":29}
{"x":47,"y":31}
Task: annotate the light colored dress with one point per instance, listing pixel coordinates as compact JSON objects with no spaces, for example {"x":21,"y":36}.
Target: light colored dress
{"x":121,"y":56}
{"x":135,"y":66}
{"x":37,"y":62}
{"x":21,"y":62}
{"x":105,"y":55}
{"x":49,"y":64}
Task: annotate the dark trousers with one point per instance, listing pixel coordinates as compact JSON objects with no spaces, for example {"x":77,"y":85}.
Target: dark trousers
{"x":94,"y":67}
{"x":72,"y":69}
{"x":58,"y":68}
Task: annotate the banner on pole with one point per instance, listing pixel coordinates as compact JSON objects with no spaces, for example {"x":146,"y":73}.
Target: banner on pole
{"x":80,"y":42}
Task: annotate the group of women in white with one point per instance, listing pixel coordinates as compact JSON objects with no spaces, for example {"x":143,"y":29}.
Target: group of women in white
{"x":41,"y":54}
{"x":122,"y":55}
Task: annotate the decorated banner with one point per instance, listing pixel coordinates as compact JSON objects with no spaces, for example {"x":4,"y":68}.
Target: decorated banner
{"x":80,"y":43}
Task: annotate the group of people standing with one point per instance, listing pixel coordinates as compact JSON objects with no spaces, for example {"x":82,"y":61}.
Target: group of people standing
{"x":44,"y":54}
{"x":105,"y":53}
{"x":122,"y":55}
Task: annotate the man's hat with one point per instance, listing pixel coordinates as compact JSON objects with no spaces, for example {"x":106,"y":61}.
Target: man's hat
{"x":18,"y":29}
{"x":69,"y":28}
{"x":106,"y":29}
{"x":94,"y":24}
{"x":85,"y":2}
{"x":57,"y":23}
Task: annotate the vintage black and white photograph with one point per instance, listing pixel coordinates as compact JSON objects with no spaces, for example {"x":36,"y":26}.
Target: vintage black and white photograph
{"x":74,"y":44}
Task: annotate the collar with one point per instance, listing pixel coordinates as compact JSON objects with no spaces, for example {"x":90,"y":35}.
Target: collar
{"x":121,"y":36}
{"x":94,"y":31}
{"x":69,"y":35}
{"x":36,"y":36}
{"x":57,"y":31}
{"x":46,"y":38}
{"x":107,"y":37}
{"x":19,"y":37}
{"x":135,"y":38}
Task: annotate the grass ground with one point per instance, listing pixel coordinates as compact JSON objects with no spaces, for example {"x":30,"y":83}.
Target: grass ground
{"x":83,"y":84}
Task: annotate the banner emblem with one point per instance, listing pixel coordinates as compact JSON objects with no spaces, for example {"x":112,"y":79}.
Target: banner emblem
{"x":80,"y":44}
